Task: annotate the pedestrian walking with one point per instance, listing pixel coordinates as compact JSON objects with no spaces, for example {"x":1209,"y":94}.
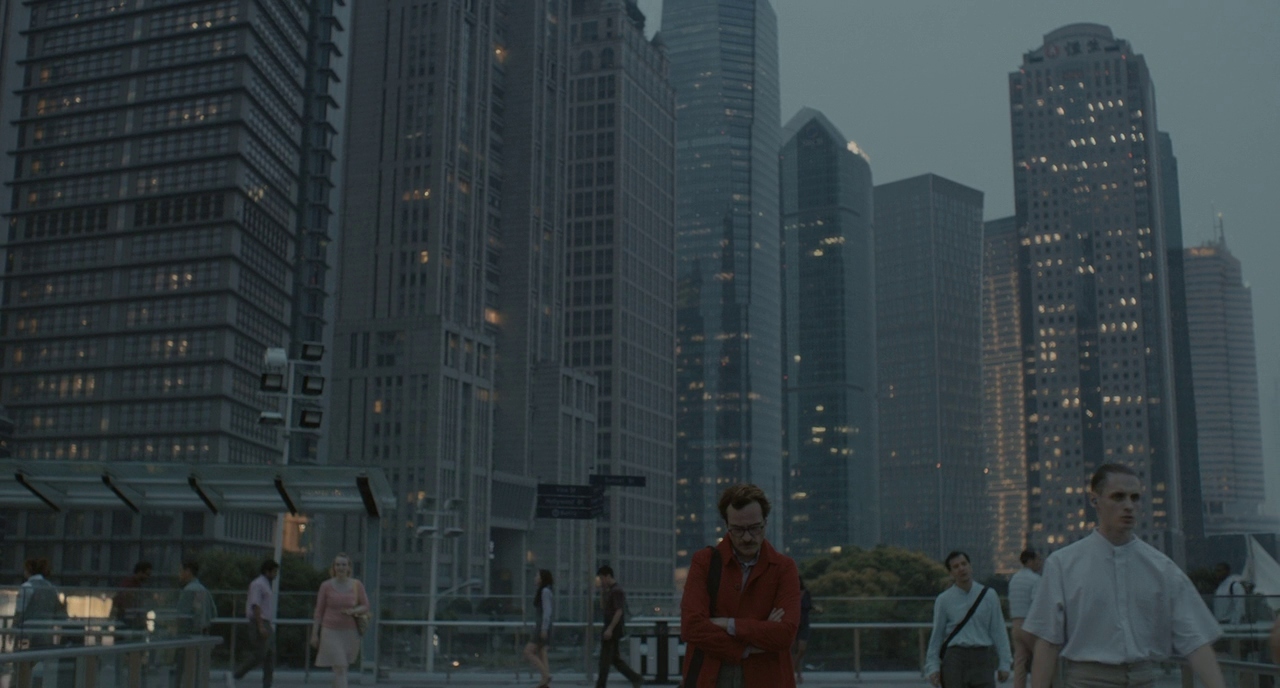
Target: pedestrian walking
{"x":126,"y":604}
{"x":1230,"y":595}
{"x":969,"y":647}
{"x":613,"y":606}
{"x":195,"y":612}
{"x":741,"y":603}
{"x":1022,"y":590}
{"x":535,"y":651}
{"x":41,"y":615}
{"x":1111,"y":606}
{"x":260,"y":636}
{"x":39,"y":608}
{"x":335,"y":627}
{"x":801,"y":645}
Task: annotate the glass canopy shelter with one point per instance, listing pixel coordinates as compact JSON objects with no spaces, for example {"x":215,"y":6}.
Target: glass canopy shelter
{"x":215,"y":488}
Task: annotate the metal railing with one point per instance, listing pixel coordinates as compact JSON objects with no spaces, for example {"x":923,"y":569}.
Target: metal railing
{"x":83,"y":666}
{"x":475,"y":633}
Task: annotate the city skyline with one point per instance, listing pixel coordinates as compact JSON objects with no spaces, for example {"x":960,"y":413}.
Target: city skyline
{"x":1209,"y":104}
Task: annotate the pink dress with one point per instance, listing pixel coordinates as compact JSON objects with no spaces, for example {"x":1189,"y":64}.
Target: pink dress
{"x":339,"y":639}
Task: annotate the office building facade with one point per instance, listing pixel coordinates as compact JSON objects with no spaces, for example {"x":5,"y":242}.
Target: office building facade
{"x":156,"y":246}
{"x":829,"y":350}
{"x":1003,"y":432}
{"x":1096,"y":323}
{"x":724,"y":68}
{"x":933,"y":488}
{"x":448,"y":370}
{"x":620,"y":269}
{"x":1224,"y":360}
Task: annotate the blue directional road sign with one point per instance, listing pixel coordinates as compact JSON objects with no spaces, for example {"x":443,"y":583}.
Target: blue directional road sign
{"x":609,"y":480}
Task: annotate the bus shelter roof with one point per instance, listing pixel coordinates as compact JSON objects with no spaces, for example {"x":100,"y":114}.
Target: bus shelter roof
{"x":217,"y":488}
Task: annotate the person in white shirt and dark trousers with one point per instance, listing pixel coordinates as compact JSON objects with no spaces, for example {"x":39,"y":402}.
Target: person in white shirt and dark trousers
{"x":969,"y":644}
{"x":1229,"y":598}
{"x":1111,"y":606}
{"x":1022,"y":589}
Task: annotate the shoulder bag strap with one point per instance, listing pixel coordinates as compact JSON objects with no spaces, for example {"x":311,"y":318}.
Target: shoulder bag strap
{"x":963,"y":621}
{"x":713,"y":591}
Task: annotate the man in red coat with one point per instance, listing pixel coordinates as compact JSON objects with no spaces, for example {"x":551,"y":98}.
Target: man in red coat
{"x":746,"y":643}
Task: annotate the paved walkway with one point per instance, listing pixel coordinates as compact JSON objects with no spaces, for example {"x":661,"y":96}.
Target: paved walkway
{"x":824,"y":679}
{"x":576,"y":680}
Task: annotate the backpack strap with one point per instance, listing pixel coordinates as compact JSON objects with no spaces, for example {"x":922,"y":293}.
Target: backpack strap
{"x":713,"y":591}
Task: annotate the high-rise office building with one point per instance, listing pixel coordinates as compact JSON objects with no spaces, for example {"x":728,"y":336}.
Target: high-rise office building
{"x":1003,"y":432}
{"x":547,"y":436}
{"x":449,"y":339}
{"x":724,"y":68}
{"x":1088,"y":196}
{"x":933,"y":487}
{"x":829,"y":343}
{"x":158,"y":240}
{"x":1220,"y":315}
{"x":620,"y":323}
{"x":1180,"y":351}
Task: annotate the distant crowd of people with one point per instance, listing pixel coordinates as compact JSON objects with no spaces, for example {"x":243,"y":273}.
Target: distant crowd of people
{"x":340,"y":617}
{"x":1099,"y":613}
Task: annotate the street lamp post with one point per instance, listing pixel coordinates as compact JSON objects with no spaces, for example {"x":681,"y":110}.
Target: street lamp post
{"x":436,"y":534}
{"x":279,"y":379}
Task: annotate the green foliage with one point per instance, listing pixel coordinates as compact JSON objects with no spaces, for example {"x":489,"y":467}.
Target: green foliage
{"x":880,"y":572}
{"x":860,"y":576}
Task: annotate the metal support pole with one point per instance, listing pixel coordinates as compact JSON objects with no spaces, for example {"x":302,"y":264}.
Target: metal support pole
{"x":373,"y":589}
{"x":431,"y":592}
{"x":857,"y":653}
{"x":280,"y":516}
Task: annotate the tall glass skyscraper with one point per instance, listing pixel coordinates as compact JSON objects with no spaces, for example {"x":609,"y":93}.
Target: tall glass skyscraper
{"x":724,"y":68}
{"x":1088,"y":194}
{"x":1224,"y":361}
{"x":620,"y":323}
{"x":1003,"y":430}
{"x":829,"y":354}
{"x":159,"y":240}
{"x":929,"y":357}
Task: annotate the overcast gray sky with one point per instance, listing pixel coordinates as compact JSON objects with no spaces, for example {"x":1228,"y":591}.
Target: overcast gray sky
{"x":922,"y":86}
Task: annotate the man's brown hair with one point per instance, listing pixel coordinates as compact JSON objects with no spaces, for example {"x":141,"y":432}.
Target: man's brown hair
{"x":741,"y":495}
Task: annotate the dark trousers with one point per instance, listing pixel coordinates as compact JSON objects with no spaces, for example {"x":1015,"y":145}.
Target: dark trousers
{"x":262,"y":651}
{"x":969,"y":667}
{"x":609,"y":657}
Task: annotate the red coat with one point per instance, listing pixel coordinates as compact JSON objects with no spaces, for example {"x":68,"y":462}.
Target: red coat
{"x":774,"y":583}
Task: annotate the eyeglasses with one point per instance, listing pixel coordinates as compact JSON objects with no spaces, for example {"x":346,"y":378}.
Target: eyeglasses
{"x":739,"y":531}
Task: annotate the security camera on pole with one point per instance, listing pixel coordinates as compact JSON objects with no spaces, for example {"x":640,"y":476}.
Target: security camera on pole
{"x":279,"y":379}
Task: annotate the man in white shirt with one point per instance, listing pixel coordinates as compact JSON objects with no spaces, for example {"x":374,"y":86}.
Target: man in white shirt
{"x":1229,"y":598}
{"x":258,"y":610}
{"x":1111,"y":605}
{"x":963,"y":654}
{"x":1022,"y":590}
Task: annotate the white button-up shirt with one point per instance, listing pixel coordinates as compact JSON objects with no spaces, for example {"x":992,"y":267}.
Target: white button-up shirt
{"x":1022,"y":590}
{"x":985,"y":629}
{"x":1116,"y":605}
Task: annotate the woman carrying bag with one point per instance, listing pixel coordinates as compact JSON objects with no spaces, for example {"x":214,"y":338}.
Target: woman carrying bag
{"x":335,"y":630}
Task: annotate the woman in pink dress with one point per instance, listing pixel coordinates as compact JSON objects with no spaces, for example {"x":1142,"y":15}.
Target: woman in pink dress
{"x":334,"y":633}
